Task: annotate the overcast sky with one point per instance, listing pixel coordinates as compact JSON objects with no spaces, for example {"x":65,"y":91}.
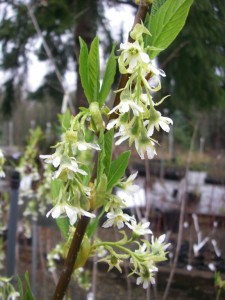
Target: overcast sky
{"x":37,"y":69}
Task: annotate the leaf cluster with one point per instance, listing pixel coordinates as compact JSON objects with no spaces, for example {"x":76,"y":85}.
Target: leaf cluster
{"x":89,"y":69}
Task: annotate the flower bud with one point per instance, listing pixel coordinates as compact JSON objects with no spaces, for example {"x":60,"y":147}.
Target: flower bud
{"x":71,"y":136}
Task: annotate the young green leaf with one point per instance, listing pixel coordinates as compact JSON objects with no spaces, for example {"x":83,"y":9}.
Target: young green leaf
{"x":29,"y":295}
{"x":101,"y":156}
{"x":83,"y":69}
{"x":166,"y":24}
{"x":65,"y":120}
{"x":20,"y":287}
{"x":56,"y":185}
{"x":93,"y":224}
{"x":93,"y":69}
{"x":64,"y":225}
{"x":108,"y":79}
{"x":108,"y":146}
{"x":117,"y":169}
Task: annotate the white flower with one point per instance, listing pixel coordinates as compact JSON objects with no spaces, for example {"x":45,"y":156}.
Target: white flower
{"x":156,"y":71}
{"x":147,"y":146}
{"x":131,"y":57}
{"x":54,"y":158}
{"x":82,"y":146}
{"x":124,"y":134}
{"x":126,"y":104}
{"x":145,"y":281}
{"x":112,"y":123}
{"x":146,"y":275}
{"x":157,"y":121}
{"x":13,"y":295}
{"x":72,"y":213}
{"x":158,"y":246}
{"x":116,"y":219}
{"x":140,"y":228}
{"x":120,"y":122}
{"x":128,"y":185}
{"x":68,"y":169}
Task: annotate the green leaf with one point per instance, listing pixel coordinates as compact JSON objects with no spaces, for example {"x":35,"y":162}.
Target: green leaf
{"x":108,"y":78}
{"x":20,"y":287}
{"x":93,"y":224}
{"x":108,"y":145}
{"x":100,"y":192}
{"x":101,"y":156}
{"x":166,"y":24}
{"x":56,"y":185}
{"x":63,"y":224}
{"x":105,"y":155}
{"x":83,"y":69}
{"x":117,"y":169}
{"x":85,"y":178}
{"x":93,"y":70}
{"x":29,"y":295}
{"x":65,"y":120}
{"x":155,"y":6}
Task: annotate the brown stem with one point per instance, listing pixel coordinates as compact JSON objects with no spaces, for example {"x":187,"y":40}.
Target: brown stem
{"x":83,"y":222}
{"x":71,"y":258}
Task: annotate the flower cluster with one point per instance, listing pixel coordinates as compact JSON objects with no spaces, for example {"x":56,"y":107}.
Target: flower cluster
{"x":137,"y":116}
{"x":7,"y":290}
{"x":115,"y":204}
{"x":54,"y":256}
{"x":142,"y":260}
{"x":70,"y":191}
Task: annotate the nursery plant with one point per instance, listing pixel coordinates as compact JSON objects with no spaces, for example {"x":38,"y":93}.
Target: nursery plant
{"x":85,"y":172}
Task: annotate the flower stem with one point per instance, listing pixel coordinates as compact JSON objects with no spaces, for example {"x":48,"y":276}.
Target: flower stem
{"x":71,"y":258}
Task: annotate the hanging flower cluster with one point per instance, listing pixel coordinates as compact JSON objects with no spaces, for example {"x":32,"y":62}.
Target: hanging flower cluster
{"x":7,"y":290}
{"x":143,"y":260}
{"x":30,"y":179}
{"x":137,"y":115}
{"x":71,"y":193}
